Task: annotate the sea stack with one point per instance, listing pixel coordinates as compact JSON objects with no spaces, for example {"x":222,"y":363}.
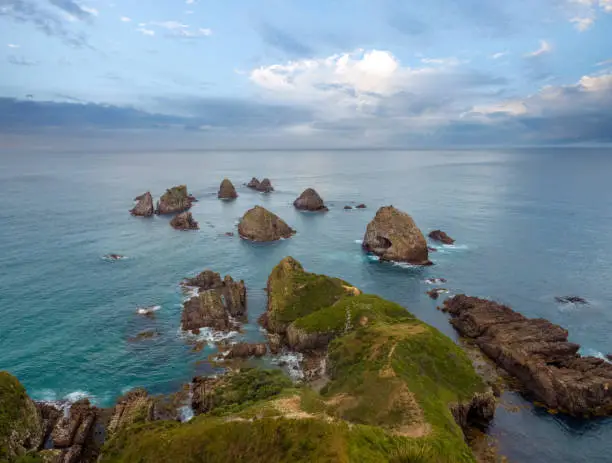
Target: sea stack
{"x":442,"y":237}
{"x":310,"y":200}
{"x":174,"y":200}
{"x":184,"y":221}
{"x":227,"y":190}
{"x":265,"y":186}
{"x":393,"y":236}
{"x":254,"y":183}
{"x":144,"y":205}
{"x":259,"y":224}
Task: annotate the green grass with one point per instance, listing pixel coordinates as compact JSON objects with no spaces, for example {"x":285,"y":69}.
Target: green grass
{"x":334,"y":318}
{"x":294,"y":293}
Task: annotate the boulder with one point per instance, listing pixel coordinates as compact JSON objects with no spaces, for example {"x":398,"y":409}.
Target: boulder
{"x":571,"y":300}
{"x":175,"y":200}
{"x":227,"y":190}
{"x":144,"y":205}
{"x":310,"y":200}
{"x":346,"y":208}
{"x":184,"y":221}
{"x":439,"y":235}
{"x":259,"y":224}
{"x":538,"y":353}
{"x":393,"y":236}
{"x":21,"y":426}
{"x":217,"y":301}
{"x":254,"y":183}
{"x":265,"y":186}
{"x":245,"y":350}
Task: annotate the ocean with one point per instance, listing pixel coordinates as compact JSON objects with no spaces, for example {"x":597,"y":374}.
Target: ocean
{"x":530,"y":224}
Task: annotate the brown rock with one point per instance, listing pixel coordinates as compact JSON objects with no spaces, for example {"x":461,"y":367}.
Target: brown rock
{"x":435,"y":293}
{"x":259,"y":224}
{"x":134,"y":407}
{"x":477,"y":412}
{"x":75,"y":425}
{"x":148,"y":334}
{"x":439,"y":235}
{"x":394,"y":236}
{"x":254,"y":183}
{"x":184,"y":221}
{"x":174,"y":200}
{"x":227,"y":190}
{"x":73,"y":454}
{"x":265,"y":186}
{"x":538,"y":353}
{"x":205,"y":280}
{"x":144,"y":205}
{"x":310,"y":200}
{"x":50,"y":415}
{"x":245,"y":350}
{"x":360,"y":206}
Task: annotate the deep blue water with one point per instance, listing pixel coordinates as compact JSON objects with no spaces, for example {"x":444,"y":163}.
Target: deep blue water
{"x":529,"y":225}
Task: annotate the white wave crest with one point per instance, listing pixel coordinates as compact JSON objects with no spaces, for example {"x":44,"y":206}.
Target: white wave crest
{"x":290,"y":362}
{"x":207,"y":335}
{"x":148,"y":310}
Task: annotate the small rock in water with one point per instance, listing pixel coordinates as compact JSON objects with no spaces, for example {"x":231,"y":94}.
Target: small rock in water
{"x":348,"y":207}
{"x":148,"y":311}
{"x":435,"y":293}
{"x":114,"y":256}
{"x":435,"y":281}
{"x":609,"y":357}
{"x":439,"y":235}
{"x":184,"y":221}
{"x":360,"y":206}
{"x":229,"y":234}
{"x":149,"y":334}
{"x":570,"y":300}
{"x":432,"y":249}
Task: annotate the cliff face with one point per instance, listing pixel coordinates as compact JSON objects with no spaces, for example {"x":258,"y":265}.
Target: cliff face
{"x":21,"y":426}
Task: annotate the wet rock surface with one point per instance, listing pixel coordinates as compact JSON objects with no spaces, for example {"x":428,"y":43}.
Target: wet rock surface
{"x":144,"y":205}
{"x":184,"y":221}
{"x":259,"y":224}
{"x":227,"y":190}
{"x":442,"y":237}
{"x":571,"y":300}
{"x":246,"y":350}
{"x":310,"y":200}
{"x":435,"y":292}
{"x":393,"y":235}
{"x":538,"y":353}
{"x":265,"y":186}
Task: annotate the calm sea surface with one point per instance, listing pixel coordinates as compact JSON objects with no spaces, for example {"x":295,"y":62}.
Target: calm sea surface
{"x":529,"y":224}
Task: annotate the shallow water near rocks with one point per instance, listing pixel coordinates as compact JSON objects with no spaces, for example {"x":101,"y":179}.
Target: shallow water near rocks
{"x":530,"y":225}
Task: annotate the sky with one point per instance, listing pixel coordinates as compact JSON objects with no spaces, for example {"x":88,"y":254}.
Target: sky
{"x":317,"y":73}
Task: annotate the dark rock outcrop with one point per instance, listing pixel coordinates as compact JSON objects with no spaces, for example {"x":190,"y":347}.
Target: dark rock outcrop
{"x":184,"y":221}
{"x":360,"y":206}
{"x":394,"y":236}
{"x":571,"y":300}
{"x":254,"y":183}
{"x":439,"y":235}
{"x":144,"y":205}
{"x":538,"y":353}
{"x":227,"y":190}
{"x":477,"y":413}
{"x":265,"y":186}
{"x":175,"y":200}
{"x":435,"y":293}
{"x":217,"y":301}
{"x":346,"y":208}
{"x":259,"y":224}
{"x":73,"y":432}
{"x":134,"y":407}
{"x":245,"y":350}
{"x":310,"y":200}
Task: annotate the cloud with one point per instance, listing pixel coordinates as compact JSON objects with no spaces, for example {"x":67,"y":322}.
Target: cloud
{"x":190,"y":2}
{"x":545,"y":47}
{"x":21,"y":61}
{"x":74,"y":9}
{"x":607,"y":62}
{"x":12,"y":45}
{"x":452,"y":61}
{"x":499,"y":54}
{"x":125,"y":19}
{"x":145,"y":31}
{"x":582,"y":24}
{"x":176,"y":29}
{"x":584,"y":13}
{"x":27,"y":11}
{"x":283,"y":41}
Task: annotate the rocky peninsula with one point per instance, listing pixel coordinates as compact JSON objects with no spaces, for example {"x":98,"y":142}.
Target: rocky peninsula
{"x":538,"y":353}
{"x":394,"y":236}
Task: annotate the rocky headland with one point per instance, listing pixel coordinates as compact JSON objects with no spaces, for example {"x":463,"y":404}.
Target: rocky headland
{"x":310,"y":200}
{"x":538,"y":353}
{"x":393,"y":236}
{"x":259,"y":224}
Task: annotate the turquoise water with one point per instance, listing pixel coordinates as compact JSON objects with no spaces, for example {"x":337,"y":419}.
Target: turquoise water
{"x":529,"y":225}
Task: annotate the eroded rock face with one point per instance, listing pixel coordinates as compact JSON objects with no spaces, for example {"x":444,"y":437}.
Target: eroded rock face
{"x":392,"y":235}
{"x":217,"y":301}
{"x":442,"y":237}
{"x":184,"y":221}
{"x":175,"y":200}
{"x":245,"y":350}
{"x":144,"y":205}
{"x":538,"y":353}
{"x":134,"y":407}
{"x":74,"y":427}
{"x":310,"y":200}
{"x":477,"y":412}
{"x":265,"y":186}
{"x":259,"y":224}
{"x":21,"y":426}
{"x":227,"y":190}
